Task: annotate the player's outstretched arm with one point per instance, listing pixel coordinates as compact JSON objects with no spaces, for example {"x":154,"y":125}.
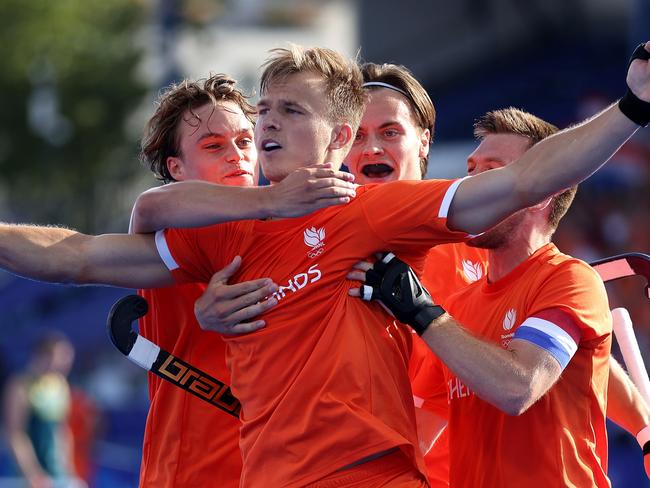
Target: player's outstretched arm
{"x":60,"y":255}
{"x":199,"y":203}
{"x":554,"y":164}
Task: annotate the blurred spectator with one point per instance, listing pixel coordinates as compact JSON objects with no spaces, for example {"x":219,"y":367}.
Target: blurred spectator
{"x":37,"y":403}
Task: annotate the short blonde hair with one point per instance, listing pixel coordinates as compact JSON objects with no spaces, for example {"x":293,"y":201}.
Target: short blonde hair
{"x":346,"y":98}
{"x":515,"y":121}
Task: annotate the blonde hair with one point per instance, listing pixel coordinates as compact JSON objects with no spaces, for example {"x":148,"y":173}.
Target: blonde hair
{"x":345,"y":96}
{"x":515,"y":121}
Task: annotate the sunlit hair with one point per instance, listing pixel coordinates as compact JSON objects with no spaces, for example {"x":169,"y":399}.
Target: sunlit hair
{"x":419,"y":101}
{"x":180,"y":101}
{"x":515,"y":121}
{"x":345,"y":97}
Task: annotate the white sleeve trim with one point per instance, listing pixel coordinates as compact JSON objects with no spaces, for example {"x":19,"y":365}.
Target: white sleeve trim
{"x":144,"y":353}
{"x":449,"y":196}
{"x":164,"y":252}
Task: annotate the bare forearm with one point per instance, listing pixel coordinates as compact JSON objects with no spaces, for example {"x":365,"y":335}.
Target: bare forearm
{"x":625,"y":406}
{"x":496,"y":375}
{"x":41,"y":253}
{"x":59,"y":255}
{"x":570,"y":156}
{"x":197,"y":204}
{"x":554,"y":164}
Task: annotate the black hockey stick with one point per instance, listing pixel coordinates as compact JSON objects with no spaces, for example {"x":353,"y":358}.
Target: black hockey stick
{"x":623,"y":265}
{"x":151,"y":357}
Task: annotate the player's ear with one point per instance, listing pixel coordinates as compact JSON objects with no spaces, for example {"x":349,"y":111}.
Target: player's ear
{"x":342,"y":135}
{"x":425,"y":140}
{"x":175,"y":167}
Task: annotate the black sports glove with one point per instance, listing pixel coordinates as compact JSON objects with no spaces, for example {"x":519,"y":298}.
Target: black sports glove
{"x":635,"y":109}
{"x":392,"y":282}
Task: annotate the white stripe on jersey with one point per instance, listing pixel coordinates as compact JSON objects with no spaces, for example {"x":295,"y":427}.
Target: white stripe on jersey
{"x":164,"y":252}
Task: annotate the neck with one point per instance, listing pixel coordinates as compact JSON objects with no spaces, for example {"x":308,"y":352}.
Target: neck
{"x":510,"y":255}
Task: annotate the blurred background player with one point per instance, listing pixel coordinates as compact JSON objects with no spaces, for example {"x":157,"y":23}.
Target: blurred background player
{"x":36,"y":408}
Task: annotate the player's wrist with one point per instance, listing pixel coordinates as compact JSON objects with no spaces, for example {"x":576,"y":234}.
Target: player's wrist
{"x":266,"y":202}
{"x":635,"y":109}
{"x":426,"y":318}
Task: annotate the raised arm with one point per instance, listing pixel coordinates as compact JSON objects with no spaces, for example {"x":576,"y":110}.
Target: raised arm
{"x":554,"y":164}
{"x":59,"y":255}
{"x":199,"y":203}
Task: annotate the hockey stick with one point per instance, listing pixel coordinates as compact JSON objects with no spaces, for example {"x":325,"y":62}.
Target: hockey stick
{"x":623,"y":265}
{"x":614,"y":268}
{"x":151,"y":357}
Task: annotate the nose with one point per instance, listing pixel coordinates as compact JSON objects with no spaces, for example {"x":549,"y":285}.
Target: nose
{"x":234,"y":153}
{"x":372,"y":147}
{"x":267,"y":122}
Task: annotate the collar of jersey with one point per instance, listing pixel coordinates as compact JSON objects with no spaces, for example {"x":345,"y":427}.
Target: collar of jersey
{"x":514,"y":275}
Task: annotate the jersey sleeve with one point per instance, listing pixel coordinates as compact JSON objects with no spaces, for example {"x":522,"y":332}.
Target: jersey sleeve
{"x":190,"y":254}
{"x":575,"y":289}
{"x":411,"y":214}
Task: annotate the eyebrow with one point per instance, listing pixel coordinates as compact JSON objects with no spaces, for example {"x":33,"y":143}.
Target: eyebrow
{"x":282,"y":102}
{"x":211,"y":135}
{"x":389,"y":123}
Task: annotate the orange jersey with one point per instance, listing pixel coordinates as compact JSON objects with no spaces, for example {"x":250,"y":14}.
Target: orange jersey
{"x":451,"y":267}
{"x":561,"y":440}
{"x":187,"y":442}
{"x":325,"y":383}
{"x":447,"y":269}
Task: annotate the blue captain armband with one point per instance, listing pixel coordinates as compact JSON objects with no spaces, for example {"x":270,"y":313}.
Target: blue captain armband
{"x":550,"y":337}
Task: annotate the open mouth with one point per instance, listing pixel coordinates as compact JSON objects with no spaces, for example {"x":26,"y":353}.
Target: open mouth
{"x":379,"y":170}
{"x":270,"y":146}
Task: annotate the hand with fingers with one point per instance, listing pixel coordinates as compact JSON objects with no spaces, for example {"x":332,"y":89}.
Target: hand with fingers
{"x":392,"y":282}
{"x":635,"y":104}
{"x":312,"y":188}
{"x":228,"y":309}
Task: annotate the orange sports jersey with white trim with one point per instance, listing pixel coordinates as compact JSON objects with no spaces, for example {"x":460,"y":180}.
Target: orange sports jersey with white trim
{"x":325,"y":383}
{"x":451,"y":267}
{"x":561,"y":440}
{"x":447,"y":269}
{"x":187,"y":442}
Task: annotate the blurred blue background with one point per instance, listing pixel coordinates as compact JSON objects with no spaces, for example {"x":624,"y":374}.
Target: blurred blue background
{"x":77,"y":84}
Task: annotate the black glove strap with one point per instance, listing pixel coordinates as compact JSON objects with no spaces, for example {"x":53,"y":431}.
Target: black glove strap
{"x":635,"y":109}
{"x":403,"y":294}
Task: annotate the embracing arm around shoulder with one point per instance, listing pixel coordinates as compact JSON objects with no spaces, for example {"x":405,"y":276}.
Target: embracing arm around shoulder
{"x":550,"y":166}
{"x":510,"y":379}
{"x":199,"y":203}
{"x":59,"y":255}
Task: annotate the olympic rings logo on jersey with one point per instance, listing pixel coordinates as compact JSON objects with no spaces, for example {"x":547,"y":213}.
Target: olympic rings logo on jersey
{"x":315,"y":239}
